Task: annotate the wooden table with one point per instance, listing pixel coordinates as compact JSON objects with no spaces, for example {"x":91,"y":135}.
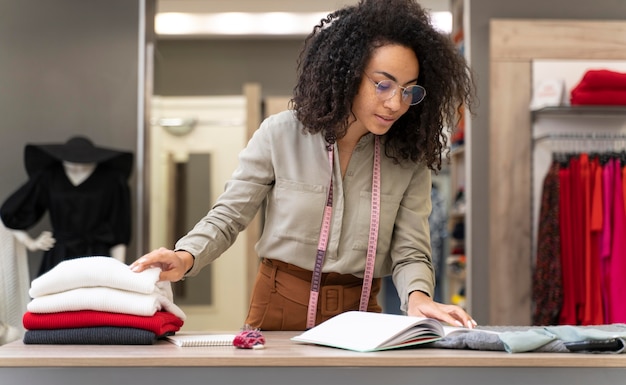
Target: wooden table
{"x":286,"y":362}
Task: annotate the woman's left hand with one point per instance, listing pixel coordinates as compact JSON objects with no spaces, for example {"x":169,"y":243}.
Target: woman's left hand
{"x":421,"y":305}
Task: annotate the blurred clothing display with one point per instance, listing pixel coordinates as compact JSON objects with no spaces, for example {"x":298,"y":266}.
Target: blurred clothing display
{"x":84,"y":189}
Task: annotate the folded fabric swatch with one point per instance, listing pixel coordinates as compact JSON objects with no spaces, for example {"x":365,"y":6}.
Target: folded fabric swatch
{"x":537,"y":337}
{"x":91,"y":336}
{"x":91,"y":272}
{"x":517,"y":339}
{"x":598,"y":97}
{"x":161,"y":323}
{"x":525,"y":341}
{"x":104,"y":299}
{"x":569,"y":333}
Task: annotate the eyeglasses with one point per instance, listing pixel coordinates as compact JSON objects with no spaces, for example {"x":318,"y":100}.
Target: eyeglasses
{"x":386,"y":89}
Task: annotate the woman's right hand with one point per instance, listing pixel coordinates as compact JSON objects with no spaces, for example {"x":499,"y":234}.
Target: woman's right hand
{"x":173,"y":264}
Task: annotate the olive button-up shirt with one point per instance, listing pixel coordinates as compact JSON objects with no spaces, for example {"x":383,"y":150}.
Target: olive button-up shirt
{"x":288,"y":169}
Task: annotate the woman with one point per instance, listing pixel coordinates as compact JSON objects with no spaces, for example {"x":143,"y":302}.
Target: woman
{"x":345,"y":176}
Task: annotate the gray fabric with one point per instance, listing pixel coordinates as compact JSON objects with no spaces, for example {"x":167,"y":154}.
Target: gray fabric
{"x":473,"y":340}
{"x":529,"y":338}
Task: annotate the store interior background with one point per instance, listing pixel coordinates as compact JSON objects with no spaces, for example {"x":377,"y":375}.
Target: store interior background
{"x":70,"y":67}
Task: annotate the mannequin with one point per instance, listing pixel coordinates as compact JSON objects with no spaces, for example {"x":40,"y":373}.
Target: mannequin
{"x":77,"y":173}
{"x":84,"y":189}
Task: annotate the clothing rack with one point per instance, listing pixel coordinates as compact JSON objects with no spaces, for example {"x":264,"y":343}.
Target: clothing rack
{"x":573,"y":142}
{"x":581,"y":136}
{"x":610,"y":141}
{"x":563,"y":148}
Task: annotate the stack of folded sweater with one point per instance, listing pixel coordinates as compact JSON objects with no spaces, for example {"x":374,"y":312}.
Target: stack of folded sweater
{"x":99,"y":300}
{"x":600,"y":87}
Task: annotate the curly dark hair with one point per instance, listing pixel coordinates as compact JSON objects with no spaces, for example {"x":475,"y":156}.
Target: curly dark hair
{"x":333,"y":59}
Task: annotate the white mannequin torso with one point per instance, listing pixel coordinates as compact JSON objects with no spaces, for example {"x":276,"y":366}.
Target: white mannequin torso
{"x":77,"y":173}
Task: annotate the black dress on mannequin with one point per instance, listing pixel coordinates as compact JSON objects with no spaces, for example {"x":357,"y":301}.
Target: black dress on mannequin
{"x":87,"y":219}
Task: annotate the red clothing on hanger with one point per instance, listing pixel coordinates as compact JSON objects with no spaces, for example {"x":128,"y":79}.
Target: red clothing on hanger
{"x":593,"y":295}
{"x":606,"y":235}
{"x":568,"y":311}
{"x":577,"y":210}
{"x":617,"y":287}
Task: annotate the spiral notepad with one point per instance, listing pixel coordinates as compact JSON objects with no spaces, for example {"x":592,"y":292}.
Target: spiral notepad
{"x":201,"y":339}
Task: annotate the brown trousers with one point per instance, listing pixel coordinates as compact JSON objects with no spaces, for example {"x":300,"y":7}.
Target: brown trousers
{"x":280,"y":297}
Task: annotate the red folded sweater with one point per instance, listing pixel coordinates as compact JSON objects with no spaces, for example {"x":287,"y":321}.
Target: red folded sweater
{"x":160,"y":323}
{"x":600,"y":87}
{"x":598,"y":97}
{"x":603,"y":80}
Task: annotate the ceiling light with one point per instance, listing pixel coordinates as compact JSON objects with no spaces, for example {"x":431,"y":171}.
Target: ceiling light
{"x":226,"y":24}
{"x":237,"y":24}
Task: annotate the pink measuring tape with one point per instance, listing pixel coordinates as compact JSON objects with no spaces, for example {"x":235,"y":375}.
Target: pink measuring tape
{"x":325,"y":231}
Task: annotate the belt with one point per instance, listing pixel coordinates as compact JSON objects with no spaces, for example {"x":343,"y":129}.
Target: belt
{"x":338,"y":293}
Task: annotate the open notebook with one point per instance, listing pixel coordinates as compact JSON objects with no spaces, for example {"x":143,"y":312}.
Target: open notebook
{"x":201,"y":339}
{"x":368,"y":332}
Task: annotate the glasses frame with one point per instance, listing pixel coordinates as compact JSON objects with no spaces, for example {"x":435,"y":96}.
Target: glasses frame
{"x":404,"y":95}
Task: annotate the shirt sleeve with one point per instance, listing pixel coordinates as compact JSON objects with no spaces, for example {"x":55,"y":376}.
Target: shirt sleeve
{"x":411,"y":250}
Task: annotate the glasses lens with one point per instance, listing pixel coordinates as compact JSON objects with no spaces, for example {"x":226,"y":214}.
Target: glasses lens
{"x":385,"y":89}
{"x":413,"y":94}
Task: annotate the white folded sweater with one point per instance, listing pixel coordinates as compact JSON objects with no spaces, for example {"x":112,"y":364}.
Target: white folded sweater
{"x":105,"y":299}
{"x":94,"y":271}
